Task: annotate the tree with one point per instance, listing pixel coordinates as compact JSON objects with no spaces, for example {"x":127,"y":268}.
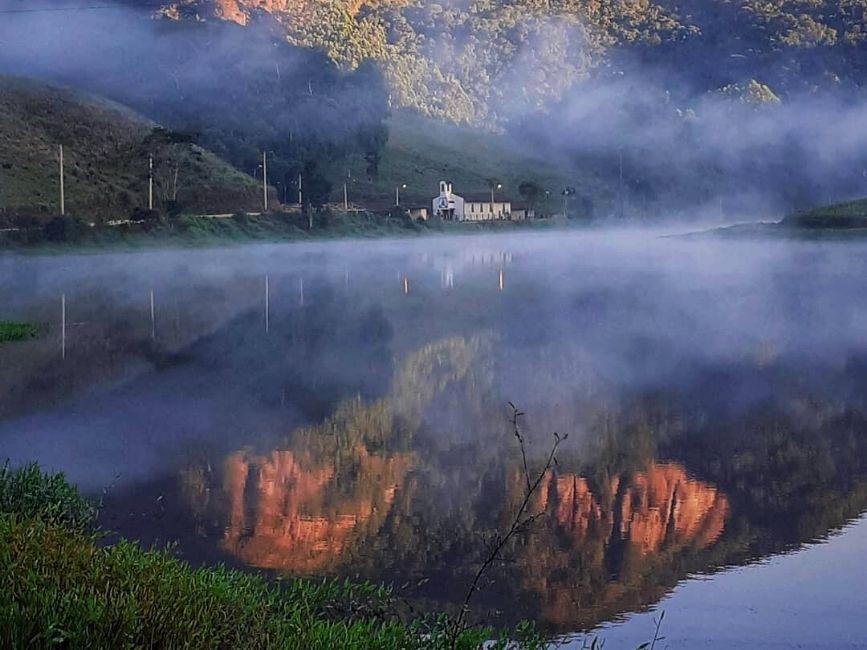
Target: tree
{"x":167,"y":175}
{"x":494,"y":184}
{"x":530,"y":191}
{"x":316,"y":188}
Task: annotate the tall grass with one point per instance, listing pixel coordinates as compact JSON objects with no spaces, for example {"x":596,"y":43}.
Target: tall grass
{"x":28,"y":493}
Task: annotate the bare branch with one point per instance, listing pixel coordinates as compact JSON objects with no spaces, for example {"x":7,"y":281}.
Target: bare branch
{"x":519,"y":522}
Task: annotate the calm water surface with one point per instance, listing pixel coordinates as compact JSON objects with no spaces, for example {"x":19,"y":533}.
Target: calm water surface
{"x":352,"y":419}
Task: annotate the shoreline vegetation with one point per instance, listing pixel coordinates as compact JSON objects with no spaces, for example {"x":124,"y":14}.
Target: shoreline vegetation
{"x":11,"y":331}
{"x":840,"y":221}
{"x":61,"y":584}
{"x":70,"y":233}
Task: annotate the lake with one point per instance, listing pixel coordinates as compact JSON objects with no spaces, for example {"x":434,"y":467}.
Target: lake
{"x":343,"y":409}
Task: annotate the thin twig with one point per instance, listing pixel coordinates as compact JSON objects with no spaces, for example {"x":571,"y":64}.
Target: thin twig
{"x":518,"y":522}
{"x":517,"y":430}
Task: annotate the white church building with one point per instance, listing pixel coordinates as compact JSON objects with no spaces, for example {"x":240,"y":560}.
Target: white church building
{"x":451,"y":207}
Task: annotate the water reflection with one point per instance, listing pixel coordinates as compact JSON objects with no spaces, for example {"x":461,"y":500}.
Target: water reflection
{"x":653,"y":491}
{"x":383,"y":489}
{"x":716,"y":415}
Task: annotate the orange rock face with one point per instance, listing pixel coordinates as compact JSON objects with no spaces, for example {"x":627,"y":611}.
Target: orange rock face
{"x":239,"y":11}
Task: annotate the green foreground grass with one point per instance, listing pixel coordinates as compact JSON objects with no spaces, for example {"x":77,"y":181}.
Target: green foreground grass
{"x":11,"y":331}
{"x":60,"y":585}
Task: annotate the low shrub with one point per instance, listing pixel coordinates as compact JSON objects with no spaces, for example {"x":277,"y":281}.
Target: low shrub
{"x":64,"y":229}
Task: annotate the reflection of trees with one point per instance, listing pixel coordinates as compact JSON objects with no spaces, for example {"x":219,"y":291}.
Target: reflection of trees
{"x":792,"y":477}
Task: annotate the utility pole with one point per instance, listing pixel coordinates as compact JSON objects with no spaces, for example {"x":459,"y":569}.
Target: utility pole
{"x":153,"y":317}
{"x":265,"y":179}
{"x":267,"y":304}
{"x":151,"y":182}
{"x":494,"y":187}
{"x":345,"y":197}
{"x":62,"y":189}
{"x":300,"y":202}
{"x":620,"y":193}
{"x":397,"y":193}
{"x":63,"y":326}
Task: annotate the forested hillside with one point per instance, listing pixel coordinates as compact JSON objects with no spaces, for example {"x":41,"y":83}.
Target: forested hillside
{"x":485,"y":60}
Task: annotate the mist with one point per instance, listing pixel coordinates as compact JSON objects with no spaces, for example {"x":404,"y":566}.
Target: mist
{"x":591,"y":319}
{"x":726,"y":155}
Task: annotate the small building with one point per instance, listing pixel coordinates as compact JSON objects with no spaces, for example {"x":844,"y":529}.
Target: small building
{"x":483,"y":209}
{"x":451,"y":207}
{"x":418,"y":214}
{"x":521,"y":212}
{"x":448,"y":206}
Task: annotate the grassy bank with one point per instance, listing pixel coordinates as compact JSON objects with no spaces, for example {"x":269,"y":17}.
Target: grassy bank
{"x":851,"y":214}
{"x":106,"y":152}
{"x":10,"y":331}
{"x":59,"y":585}
{"x":191,"y":231}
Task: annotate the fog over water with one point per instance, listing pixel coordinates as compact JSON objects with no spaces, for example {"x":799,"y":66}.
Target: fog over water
{"x":713,"y":393}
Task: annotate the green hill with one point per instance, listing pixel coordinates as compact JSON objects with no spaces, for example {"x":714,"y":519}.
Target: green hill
{"x":423,"y":151}
{"x":106,"y":149}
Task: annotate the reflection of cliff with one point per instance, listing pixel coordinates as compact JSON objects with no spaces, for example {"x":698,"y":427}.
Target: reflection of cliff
{"x":293,"y":513}
{"x":301,"y":509}
{"x":618,"y":547}
{"x":657,"y":509}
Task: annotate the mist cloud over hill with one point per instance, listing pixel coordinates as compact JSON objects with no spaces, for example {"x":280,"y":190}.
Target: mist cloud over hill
{"x":711,"y":108}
